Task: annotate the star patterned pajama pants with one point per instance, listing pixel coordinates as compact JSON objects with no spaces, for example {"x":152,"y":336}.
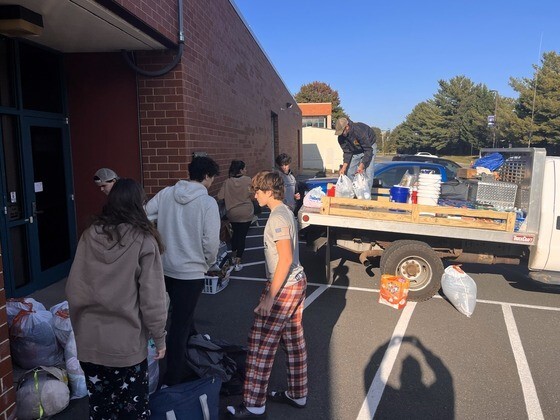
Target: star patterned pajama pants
{"x":117,"y":393}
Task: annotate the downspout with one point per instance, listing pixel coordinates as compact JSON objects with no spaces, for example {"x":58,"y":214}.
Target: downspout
{"x":129,"y":60}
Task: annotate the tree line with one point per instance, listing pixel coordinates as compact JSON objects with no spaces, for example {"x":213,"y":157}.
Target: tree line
{"x":463,"y":117}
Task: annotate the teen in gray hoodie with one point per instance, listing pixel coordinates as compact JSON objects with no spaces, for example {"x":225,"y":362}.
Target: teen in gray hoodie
{"x":189,"y":222}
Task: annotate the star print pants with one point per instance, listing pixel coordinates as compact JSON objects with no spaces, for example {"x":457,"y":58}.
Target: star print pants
{"x":117,"y":393}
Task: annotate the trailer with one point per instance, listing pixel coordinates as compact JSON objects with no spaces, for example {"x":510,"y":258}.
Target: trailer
{"x":413,"y":240}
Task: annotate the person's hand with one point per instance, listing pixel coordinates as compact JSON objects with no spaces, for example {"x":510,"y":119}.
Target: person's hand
{"x":342,"y":170}
{"x":265,"y":306}
{"x":160,"y":354}
{"x":360,"y":169}
{"x":297,"y":196}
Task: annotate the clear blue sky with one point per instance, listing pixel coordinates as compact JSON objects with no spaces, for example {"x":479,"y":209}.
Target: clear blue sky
{"x":383,"y":58}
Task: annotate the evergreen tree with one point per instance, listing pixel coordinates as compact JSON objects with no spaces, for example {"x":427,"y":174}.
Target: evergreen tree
{"x":538,"y":106}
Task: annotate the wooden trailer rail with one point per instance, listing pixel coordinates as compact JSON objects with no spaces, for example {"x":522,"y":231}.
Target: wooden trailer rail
{"x":416,"y":213}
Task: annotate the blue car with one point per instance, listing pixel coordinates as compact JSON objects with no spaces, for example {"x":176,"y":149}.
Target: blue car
{"x":386,"y":174}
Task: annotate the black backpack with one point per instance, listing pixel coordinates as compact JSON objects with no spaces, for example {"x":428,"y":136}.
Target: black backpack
{"x":217,"y":358}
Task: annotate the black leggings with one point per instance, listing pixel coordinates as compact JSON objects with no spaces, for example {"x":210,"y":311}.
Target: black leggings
{"x":240,"y":231}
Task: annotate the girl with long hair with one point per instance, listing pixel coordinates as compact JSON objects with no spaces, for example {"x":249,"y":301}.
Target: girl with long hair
{"x":116,"y":296}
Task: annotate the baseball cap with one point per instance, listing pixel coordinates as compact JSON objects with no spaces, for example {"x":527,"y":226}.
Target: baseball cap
{"x":104,"y":175}
{"x":341,"y":124}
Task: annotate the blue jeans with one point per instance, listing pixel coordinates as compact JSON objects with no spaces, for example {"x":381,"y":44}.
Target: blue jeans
{"x":353,"y":167}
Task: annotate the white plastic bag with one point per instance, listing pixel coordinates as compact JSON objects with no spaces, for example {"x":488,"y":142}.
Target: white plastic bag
{"x":460,"y":289}
{"x":65,"y":336}
{"x":313,"y":198}
{"x":153,"y":366}
{"x":343,"y":187}
{"x":32,"y":339}
{"x":360,"y":187}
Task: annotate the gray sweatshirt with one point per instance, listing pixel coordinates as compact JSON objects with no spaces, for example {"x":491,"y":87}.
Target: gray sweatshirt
{"x":189,"y":222}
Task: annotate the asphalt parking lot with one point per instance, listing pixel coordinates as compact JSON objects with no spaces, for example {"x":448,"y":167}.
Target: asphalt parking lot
{"x":367,"y":360}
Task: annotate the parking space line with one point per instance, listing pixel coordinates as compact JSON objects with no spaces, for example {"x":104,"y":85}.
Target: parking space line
{"x":316,"y":293}
{"x":371,"y":402}
{"x":532,"y":403}
{"x":254,"y":236}
{"x":254,"y":248}
{"x":252,"y":263}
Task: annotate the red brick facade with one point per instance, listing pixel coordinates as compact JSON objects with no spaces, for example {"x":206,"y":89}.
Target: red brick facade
{"x":219,"y":100}
{"x":7,"y":391}
{"x":224,"y":98}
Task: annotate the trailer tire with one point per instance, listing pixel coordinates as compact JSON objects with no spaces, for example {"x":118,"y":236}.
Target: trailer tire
{"x":417,"y":262}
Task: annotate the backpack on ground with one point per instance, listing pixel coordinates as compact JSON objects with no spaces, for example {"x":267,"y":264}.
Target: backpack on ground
{"x":217,"y":358}
{"x":195,"y":400}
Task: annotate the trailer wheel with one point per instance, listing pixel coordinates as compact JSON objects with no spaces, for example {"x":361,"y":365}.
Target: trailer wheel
{"x":417,"y":262}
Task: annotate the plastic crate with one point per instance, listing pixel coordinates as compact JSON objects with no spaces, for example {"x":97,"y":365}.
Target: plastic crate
{"x":213,"y":285}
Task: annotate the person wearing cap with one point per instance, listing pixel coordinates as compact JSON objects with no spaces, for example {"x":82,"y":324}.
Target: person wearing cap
{"x":358,"y":143}
{"x":105,"y":178}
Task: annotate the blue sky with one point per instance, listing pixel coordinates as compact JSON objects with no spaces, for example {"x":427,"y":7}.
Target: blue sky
{"x":383,"y":58}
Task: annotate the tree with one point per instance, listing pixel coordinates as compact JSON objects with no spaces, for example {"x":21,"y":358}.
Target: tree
{"x":321,"y":92}
{"x":538,"y":106}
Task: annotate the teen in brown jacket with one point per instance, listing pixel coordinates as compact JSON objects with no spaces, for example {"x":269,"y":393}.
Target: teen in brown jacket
{"x":116,"y":296}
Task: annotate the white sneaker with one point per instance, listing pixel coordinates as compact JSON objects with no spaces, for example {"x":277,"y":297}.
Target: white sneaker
{"x":238,"y":267}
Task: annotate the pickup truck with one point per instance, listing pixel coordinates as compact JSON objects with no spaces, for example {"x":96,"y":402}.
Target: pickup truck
{"x":412,"y":240}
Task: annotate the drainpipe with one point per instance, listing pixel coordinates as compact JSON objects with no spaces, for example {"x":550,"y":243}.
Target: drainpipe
{"x":127,"y":55}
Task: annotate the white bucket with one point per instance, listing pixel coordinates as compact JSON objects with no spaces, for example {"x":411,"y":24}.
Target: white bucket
{"x":427,"y":201}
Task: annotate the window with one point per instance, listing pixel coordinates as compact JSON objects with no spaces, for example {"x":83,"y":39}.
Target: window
{"x":313,"y":122}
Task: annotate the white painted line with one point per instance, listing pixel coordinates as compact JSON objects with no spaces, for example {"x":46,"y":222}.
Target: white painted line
{"x":254,"y":248}
{"x":371,"y":402}
{"x":246,"y":278}
{"x":316,"y":293}
{"x":534,"y":411}
{"x":252,"y":263}
{"x":254,"y":236}
{"x":490,"y":302}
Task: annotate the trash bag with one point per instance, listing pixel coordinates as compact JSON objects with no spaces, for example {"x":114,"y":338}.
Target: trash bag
{"x":32,"y":339}
{"x":360,"y":187}
{"x":460,"y":289}
{"x":153,"y":366}
{"x":343,"y":187}
{"x":42,"y":392}
{"x":313,"y":198}
{"x":65,"y":335}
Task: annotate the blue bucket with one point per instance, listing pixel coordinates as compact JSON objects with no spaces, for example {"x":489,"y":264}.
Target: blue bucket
{"x":398,"y":194}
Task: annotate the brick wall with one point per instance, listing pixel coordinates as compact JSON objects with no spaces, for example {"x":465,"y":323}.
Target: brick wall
{"x":7,"y":391}
{"x":160,"y":15}
{"x":219,"y":100}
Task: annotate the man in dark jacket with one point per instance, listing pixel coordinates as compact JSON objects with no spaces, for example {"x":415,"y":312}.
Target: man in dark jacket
{"x":357,"y":141}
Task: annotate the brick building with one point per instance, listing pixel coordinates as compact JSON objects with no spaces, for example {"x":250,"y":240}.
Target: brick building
{"x":71,"y":103}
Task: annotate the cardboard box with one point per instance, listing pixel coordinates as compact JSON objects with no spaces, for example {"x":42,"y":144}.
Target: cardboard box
{"x":467,"y":173}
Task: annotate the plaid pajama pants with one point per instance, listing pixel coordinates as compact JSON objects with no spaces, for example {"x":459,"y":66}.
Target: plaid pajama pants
{"x":284,"y":324}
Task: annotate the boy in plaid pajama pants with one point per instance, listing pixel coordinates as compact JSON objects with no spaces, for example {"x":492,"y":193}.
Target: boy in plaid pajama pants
{"x":278,"y":316}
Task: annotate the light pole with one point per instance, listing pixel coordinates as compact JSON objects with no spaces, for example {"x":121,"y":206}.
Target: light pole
{"x":495,"y":125}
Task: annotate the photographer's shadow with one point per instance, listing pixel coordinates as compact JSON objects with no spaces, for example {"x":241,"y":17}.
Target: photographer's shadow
{"x":426,"y":386}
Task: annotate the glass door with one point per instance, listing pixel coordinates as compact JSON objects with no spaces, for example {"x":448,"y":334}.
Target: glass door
{"x":39,"y":205}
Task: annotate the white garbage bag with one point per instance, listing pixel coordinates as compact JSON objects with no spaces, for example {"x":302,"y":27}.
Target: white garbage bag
{"x":343,"y":187}
{"x":313,"y":198}
{"x":460,"y":289}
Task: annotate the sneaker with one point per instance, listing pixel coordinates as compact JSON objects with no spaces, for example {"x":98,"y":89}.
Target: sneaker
{"x":238,"y":267}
